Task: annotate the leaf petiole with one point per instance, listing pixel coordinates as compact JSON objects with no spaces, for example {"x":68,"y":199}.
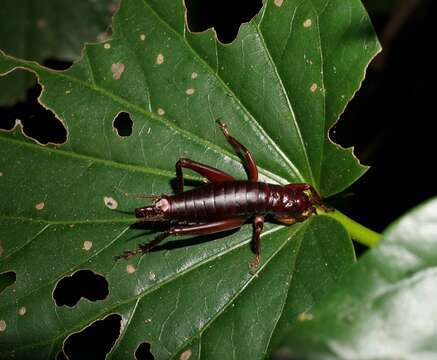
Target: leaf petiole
{"x":356,"y":231}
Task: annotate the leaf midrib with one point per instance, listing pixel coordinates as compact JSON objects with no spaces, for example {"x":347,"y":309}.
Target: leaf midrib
{"x":115,"y":164}
{"x":261,"y":131}
{"x":290,"y":107}
{"x":234,"y":298}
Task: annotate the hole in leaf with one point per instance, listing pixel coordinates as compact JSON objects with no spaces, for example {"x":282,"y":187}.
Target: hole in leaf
{"x":7,"y":279}
{"x":57,"y":64}
{"x":225,"y":16}
{"x":95,"y":341}
{"x":38,"y":123}
{"x":123,"y":124}
{"x":83,"y":283}
{"x":143,"y":352}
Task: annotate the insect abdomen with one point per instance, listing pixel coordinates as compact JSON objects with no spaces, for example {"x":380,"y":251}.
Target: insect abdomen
{"x":220,"y":201}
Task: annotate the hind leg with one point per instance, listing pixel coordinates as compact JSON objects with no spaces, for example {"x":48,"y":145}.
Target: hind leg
{"x":198,"y":229}
{"x":250,"y":162}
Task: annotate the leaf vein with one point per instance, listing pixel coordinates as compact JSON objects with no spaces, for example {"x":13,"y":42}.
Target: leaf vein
{"x":287,"y":98}
{"x":255,"y":124}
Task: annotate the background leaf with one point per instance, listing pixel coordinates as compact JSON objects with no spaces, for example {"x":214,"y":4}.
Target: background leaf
{"x":384,"y":308}
{"x":48,"y":29}
{"x":275,"y":87}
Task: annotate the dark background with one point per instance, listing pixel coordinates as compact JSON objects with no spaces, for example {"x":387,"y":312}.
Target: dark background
{"x":391,"y":122}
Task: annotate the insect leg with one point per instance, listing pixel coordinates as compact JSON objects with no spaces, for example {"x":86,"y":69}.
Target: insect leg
{"x":143,"y":248}
{"x":198,"y":229}
{"x":251,"y":166}
{"x":207,"y":228}
{"x":258,"y":224}
{"x":212,"y":174}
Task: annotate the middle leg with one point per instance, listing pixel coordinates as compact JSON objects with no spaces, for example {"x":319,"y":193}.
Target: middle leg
{"x":258,"y":225}
{"x":212,"y":174}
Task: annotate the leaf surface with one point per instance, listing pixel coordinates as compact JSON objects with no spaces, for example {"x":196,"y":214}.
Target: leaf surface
{"x":384,"y":308}
{"x":190,"y":294}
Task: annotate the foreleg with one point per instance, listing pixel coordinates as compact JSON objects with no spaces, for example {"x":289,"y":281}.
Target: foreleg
{"x":315,"y":197}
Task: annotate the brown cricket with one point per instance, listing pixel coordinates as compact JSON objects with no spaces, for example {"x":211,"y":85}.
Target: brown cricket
{"x":224,"y":203}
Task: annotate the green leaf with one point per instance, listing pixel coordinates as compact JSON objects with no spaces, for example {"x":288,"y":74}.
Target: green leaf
{"x":385,"y":307}
{"x":48,"y":29}
{"x":279,"y":86}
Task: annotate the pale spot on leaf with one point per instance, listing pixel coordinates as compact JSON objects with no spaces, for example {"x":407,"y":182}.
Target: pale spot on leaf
{"x":307,"y":23}
{"x":189,"y":91}
{"x":22,"y":311}
{"x":130,"y":269}
{"x":147,"y":321}
{"x":160,"y":111}
{"x":2,"y":325}
{"x":279,"y":3}
{"x":194,"y":75}
{"x":160,"y":59}
{"x":107,"y":46}
{"x":117,"y":69}
{"x":142,"y":37}
{"x":186,"y":354}
{"x":313,"y":87}
{"x":87,"y":245}
{"x":40,"y":205}
{"x":110,"y":202}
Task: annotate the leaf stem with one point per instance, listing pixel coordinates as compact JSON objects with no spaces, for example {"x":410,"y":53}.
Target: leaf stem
{"x":356,"y":231}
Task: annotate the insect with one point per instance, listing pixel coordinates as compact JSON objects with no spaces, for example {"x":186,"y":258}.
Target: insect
{"x":224,"y":203}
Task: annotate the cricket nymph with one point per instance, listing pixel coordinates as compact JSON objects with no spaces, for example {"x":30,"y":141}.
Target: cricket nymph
{"x":224,"y":203}
{"x":219,"y":201}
